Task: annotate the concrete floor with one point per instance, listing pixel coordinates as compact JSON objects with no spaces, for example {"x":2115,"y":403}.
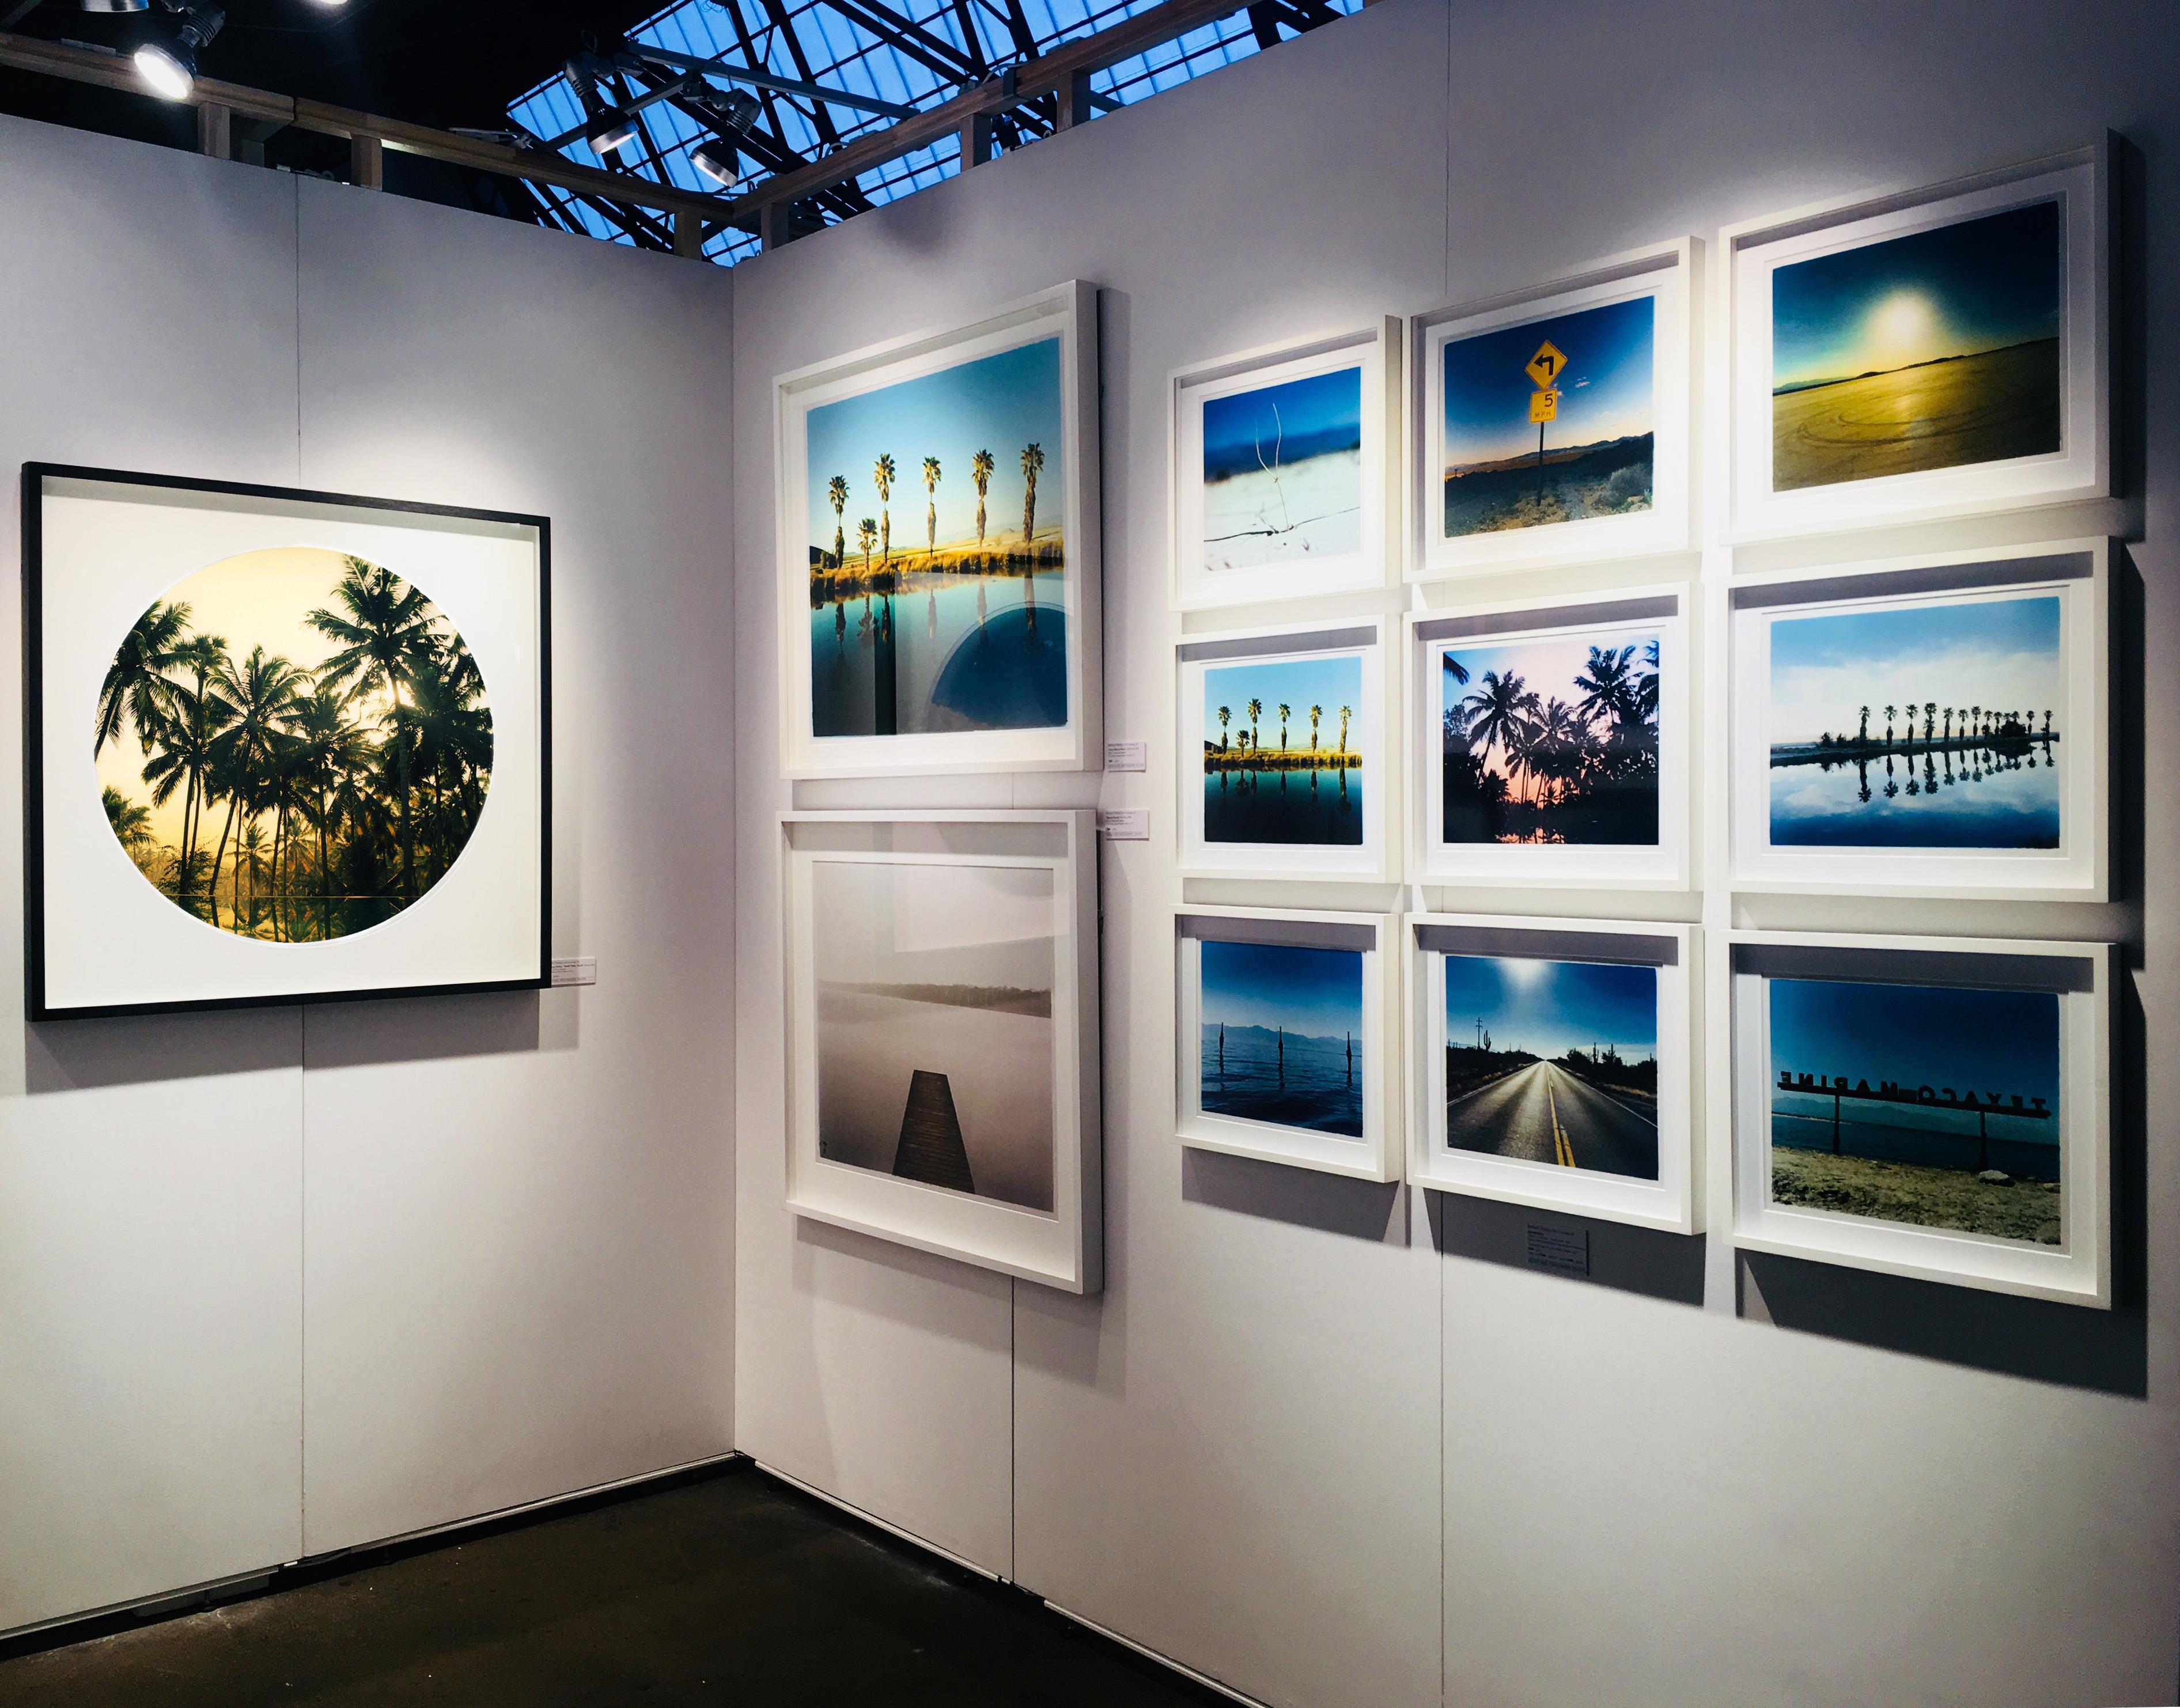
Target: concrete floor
{"x":735,"y":1589}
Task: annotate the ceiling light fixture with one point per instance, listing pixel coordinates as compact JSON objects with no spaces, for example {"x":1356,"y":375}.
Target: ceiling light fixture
{"x":167,"y":58}
{"x":717,"y":157}
{"x":610,"y":129}
{"x":116,"y":5}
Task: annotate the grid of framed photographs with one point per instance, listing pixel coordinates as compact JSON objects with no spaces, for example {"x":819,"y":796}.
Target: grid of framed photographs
{"x":1877,"y":726}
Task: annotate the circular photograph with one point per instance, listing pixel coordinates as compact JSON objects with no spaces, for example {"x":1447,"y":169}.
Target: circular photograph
{"x":293,"y":745}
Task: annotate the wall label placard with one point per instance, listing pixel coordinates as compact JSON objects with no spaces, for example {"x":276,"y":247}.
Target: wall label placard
{"x":1559,"y":1250}
{"x":1127,"y":756}
{"x":1130,"y":825}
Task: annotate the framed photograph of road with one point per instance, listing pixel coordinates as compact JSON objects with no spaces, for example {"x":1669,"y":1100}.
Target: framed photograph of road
{"x":1286,"y":484}
{"x":1931,"y":353}
{"x":962,"y":635}
{"x":1548,"y":741}
{"x":1931,"y":726}
{"x":1288,"y":1050}
{"x":1549,"y":1064}
{"x":1285,"y":762}
{"x":1924,"y":1106}
{"x":281,"y":745}
{"x":941,"y":984}
{"x":1555,"y":424}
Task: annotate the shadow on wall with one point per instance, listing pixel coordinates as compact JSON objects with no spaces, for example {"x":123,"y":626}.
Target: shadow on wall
{"x":1301,"y":1196}
{"x":1644,"y":1261}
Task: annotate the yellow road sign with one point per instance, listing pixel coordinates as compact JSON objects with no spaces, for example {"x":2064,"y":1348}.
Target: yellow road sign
{"x":1544,"y":367}
{"x":1544,"y":406}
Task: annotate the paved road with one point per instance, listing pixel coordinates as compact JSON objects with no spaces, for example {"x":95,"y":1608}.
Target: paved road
{"x":1545,"y":1114}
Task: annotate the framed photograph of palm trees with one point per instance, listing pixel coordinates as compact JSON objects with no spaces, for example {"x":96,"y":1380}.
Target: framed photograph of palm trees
{"x":1285,"y":481}
{"x":962,"y":635}
{"x":1287,"y":1038}
{"x":282,"y":746}
{"x":1555,"y":424}
{"x":942,"y":1034}
{"x":1285,"y":751}
{"x":1934,"y":352}
{"x":1550,"y":742}
{"x":1931,"y":726}
{"x":1936,"y":1107}
{"x":1550,"y":1063}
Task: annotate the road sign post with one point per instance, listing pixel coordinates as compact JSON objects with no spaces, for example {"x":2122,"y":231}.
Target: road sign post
{"x":1544,"y":369}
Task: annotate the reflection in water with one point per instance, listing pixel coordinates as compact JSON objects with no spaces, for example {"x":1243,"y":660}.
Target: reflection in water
{"x":1996,"y":792}
{"x":1321,"y":804}
{"x":989,"y":654}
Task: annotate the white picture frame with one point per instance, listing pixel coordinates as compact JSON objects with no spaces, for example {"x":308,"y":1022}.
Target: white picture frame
{"x":1669,"y":275}
{"x":2078,"y":1270}
{"x":1672,"y":1202}
{"x":1066,"y":314}
{"x":1620,"y":615}
{"x":1374,"y":1154}
{"x":2073,"y":572}
{"x":1751,"y":253}
{"x":1374,"y":351}
{"x":1198,"y":659}
{"x":1061,"y":1246}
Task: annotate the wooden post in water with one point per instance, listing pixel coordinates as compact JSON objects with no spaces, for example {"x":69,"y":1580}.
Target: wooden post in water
{"x":1836,"y":1085}
{"x":1282,"y":1038}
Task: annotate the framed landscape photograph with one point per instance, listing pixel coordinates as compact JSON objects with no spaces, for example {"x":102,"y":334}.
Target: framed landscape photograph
{"x":1933,"y":1107}
{"x":1285,"y":483}
{"x":942,"y":1034}
{"x":1549,"y":742}
{"x":1286,"y":1030}
{"x":1284,"y":742}
{"x":1550,"y":1065}
{"x":280,"y":745}
{"x":962,"y":635}
{"x":1555,"y":424}
{"x":1926,"y":726}
{"x":1933,"y":353}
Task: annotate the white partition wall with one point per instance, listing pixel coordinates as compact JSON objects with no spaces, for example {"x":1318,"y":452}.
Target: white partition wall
{"x":1323,"y":1444}
{"x":273,"y":1283}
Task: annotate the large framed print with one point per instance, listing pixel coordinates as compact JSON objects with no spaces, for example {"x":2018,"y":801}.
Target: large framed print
{"x":1286,"y":764}
{"x":1549,"y":742}
{"x":1937,"y":352}
{"x":1285,"y":483}
{"x":1925,"y":1106}
{"x":280,"y":747}
{"x":962,"y":635}
{"x":1550,"y":1062}
{"x":942,"y":1034}
{"x":1556,"y":424}
{"x":1288,"y":1031}
{"x":1931,"y":726}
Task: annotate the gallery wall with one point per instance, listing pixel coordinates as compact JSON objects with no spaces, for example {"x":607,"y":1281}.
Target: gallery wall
{"x":276,"y":1283}
{"x":1330,"y":1443}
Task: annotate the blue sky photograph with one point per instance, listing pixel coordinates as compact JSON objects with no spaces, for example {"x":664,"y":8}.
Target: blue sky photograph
{"x":1317,"y":992}
{"x":1607,"y":389}
{"x":998,"y":403}
{"x":1549,"y":1007}
{"x":1957,"y":290}
{"x":2002,"y":1041}
{"x":1331,"y":681}
{"x":1285,"y":423}
{"x":1999,"y":653}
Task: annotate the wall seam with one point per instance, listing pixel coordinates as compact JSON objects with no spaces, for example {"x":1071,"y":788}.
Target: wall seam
{"x":302,"y":1057}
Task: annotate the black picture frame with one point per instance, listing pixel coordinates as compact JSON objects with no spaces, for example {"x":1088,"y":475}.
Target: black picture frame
{"x":35,"y":477}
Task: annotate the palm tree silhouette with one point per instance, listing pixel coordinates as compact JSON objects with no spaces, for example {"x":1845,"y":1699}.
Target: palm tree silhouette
{"x":931,"y":506}
{"x":1226,"y":712}
{"x":1284,"y":714}
{"x":183,"y":739}
{"x":1930,"y":718}
{"x":866,"y":536}
{"x":132,"y":824}
{"x":1256,"y":710}
{"x":980,"y":470}
{"x":136,"y":686}
{"x":836,"y":493}
{"x":265,"y":693}
{"x":882,"y":473}
{"x":1497,"y":712}
{"x":1345,"y":714}
{"x":1864,"y":735}
{"x":1315,"y":713}
{"x":1033,"y":464}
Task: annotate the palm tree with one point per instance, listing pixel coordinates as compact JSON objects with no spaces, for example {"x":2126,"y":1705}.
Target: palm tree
{"x":1497,"y":710}
{"x":866,"y":536}
{"x":1978,"y":712}
{"x":1607,"y":686}
{"x":1345,"y":714}
{"x":2047,"y":722}
{"x":1890,"y":712}
{"x":132,"y":824}
{"x":980,"y":470}
{"x":1226,"y":712}
{"x":1256,"y":710}
{"x":266,"y":693}
{"x":184,"y":738}
{"x":1949,"y":726}
{"x":836,"y":492}
{"x":1315,"y":713}
{"x":931,"y":506}
{"x":327,"y":749}
{"x":1033,"y":464}
{"x":1864,"y":735}
{"x":882,"y":472}
{"x":1929,"y":717}
{"x":382,"y":631}
{"x":136,"y":685}
{"x":1285,"y":712}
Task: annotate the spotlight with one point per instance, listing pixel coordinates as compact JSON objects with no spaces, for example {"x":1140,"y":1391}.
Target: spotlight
{"x":167,"y":58}
{"x":116,"y":5}
{"x":613,"y":132}
{"x":719,"y":160}
{"x":610,"y":131}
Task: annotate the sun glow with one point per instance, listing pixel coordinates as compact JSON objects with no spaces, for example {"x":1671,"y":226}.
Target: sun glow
{"x":1902,"y":327}
{"x":1524,"y":974}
